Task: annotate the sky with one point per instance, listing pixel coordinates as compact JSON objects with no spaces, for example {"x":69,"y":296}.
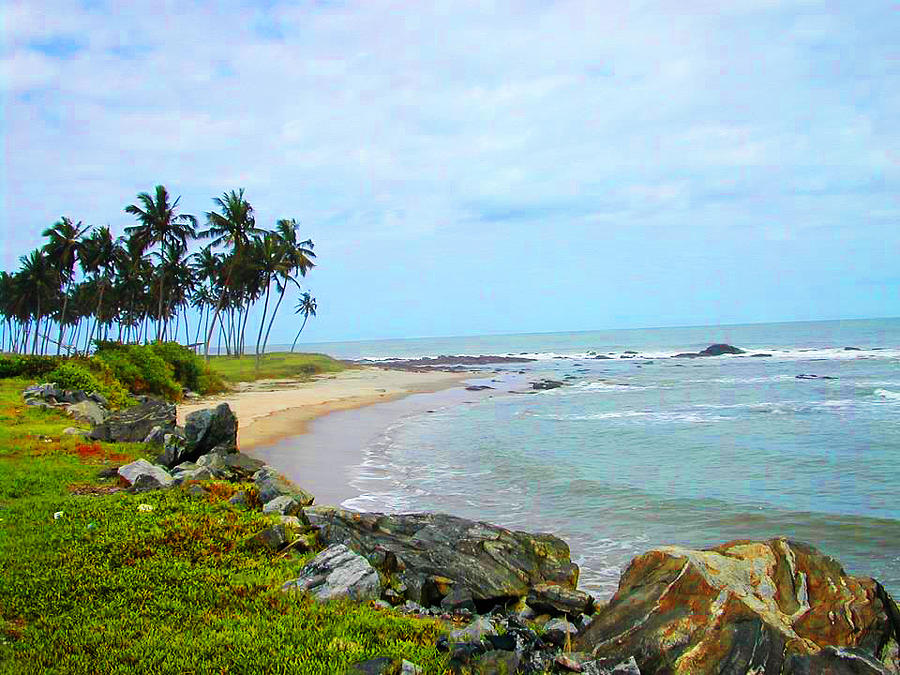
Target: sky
{"x":485,"y":167}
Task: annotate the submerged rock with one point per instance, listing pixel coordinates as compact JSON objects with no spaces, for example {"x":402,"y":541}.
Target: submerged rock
{"x":337,"y":572}
{"x":133,"y":425}
{"x":432,"y":554}
{"x":772,"y":606}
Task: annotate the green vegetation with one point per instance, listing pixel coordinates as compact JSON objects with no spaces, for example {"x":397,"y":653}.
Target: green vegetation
{"x":110,"y":588}
{"x":274,"y":365}
{"x":86,"y":285}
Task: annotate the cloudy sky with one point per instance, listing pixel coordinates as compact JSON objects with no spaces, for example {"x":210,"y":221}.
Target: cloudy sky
{"x":486,"y":167}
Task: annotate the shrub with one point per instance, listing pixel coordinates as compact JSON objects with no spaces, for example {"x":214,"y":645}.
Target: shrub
{"x":187,"y":367}
{"x":70,"y":375}
{"x":140,"y":369}
{"x":27,"y":366}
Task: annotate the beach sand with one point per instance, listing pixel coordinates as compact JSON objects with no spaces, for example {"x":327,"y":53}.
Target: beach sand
{"x":271,"y":410}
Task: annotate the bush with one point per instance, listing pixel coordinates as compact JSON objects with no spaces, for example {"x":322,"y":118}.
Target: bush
{"x":140,"y":369}
{"x":27,"y":366}
{"x":187,"y":367}
{"x":70,"y":375}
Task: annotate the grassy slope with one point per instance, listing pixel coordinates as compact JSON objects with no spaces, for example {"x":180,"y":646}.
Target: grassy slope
{"x":274,"y":365}
{"x":107,"y":588}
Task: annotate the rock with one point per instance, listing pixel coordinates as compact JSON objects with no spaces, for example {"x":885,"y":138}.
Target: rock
{"x":174,"y":449}
{"x":271,"y":484}
{"x":505,"y":642}
{"x":559,"y":600}
{"x":582,"y":622}
{"x":37,"y":403}
{"x":410,"y":668}
{"x":852,"y":349}
{"x":206,"y":429}
{"x":572,"y":662}
{"x":148,"y":474}
{"x":603,"y":358}
{"x":719,"y":349}
{"x":157,"y":436}
{"x":72,"y":396}
{"x":806,"y":376}
{"x":196,"y":491}
{"x":191,"y":395}
{"x":464,"y":652}
{"x":478,"y":387}
{"x":612,"y":667}
{"x":542,"y":385}
{"x":242,"y":466}
{"x":382,"y":666}
{"x":133,"y":425}
{"x":458,"y":599}
{"x":99,"y":399}
{"x":240,"y":498}
{"x":686,"y":355}
{"x":337,"y":572}
{"x":558,"y":631}
{"x":283,"y":505}
{"x":476,"y":630}
{"x":87,"y":411}
{"x":431,"y":553}
{"x":272,"y":538}
{"x":761,"y":355}
{"x":497,"y":663}
{"x":72,"y":431}
{"x":770,"y":606}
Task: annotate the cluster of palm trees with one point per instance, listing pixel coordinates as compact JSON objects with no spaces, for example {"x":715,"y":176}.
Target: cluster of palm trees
{"x":85,"y":285}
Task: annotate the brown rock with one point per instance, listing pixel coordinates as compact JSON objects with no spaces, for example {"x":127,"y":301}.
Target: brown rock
{"x":773,"y":606}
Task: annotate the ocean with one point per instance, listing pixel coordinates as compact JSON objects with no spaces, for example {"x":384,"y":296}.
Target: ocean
{"x":642,"y":449}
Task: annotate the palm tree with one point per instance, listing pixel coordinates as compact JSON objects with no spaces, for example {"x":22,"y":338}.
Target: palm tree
{"x":299,"y":261}
{"x":235,"y":226}
{"x":160,"y":225}
{"x":98,"y":258}
{"x":307,"y":307}
{"x":63,"y":250}
{"x":37,"y":286}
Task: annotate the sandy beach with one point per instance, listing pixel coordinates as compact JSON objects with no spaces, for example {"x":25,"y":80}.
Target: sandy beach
{"x":271,"y":410}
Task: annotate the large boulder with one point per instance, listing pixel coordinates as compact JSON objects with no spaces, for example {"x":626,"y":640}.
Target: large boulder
{"x":210,"y":428}
{"x":719,"y":349}
{"x":775,"y":606}
{"x":271,"y":484}
{"x":145,"y":475}
{"x":133,"y":425}
{"x":431,"y":554}
{"x":337,"y":572}
{"x":87,"y":411}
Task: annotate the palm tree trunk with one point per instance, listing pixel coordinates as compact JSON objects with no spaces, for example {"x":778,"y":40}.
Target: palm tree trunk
{"x":302,"y":326}
{"x":159,"y":324}
{"x":262,"y":321}
{"x":274,"y":313}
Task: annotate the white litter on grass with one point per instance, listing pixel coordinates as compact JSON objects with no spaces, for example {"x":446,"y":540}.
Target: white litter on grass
{"x":144,"y":507}
{"x":58,"y":515}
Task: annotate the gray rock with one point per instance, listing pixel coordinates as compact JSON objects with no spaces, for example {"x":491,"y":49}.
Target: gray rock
{"x":87,"y":411}
{"x":200,"y":473}
{"x":132,"y":425}
{"x":410,"y":668}
{"x":242,"y":466}
{"x":196,"y":491}
{"x":240,"y":498}
{"x":174,"y":449}
{"x":475,"y":631}
{"x":271,"y":484}
{"x":611,"y":667}
{"x":557,"y":599}
{"x":496,"y":663}
{"x":298,"y":522}
{"x":72,"y":431}
{"x":337,"y":572}
{"x":156,"y":436}
{"x":142,"y":468}
{"x":434,"y":553}
{"x":205,"y":429}
{"x":99,"y":398}
{"x":556,"y":631}
{"x":37,"y":403}
{"x":283,"y":505}
{"x":380,"y":666}
{"x":272,"y":538}
{"x":458,"y":599}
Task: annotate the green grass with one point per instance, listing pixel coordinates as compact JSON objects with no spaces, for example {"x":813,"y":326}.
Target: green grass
{"x":274,"y":365}
{"x":107,"y":588}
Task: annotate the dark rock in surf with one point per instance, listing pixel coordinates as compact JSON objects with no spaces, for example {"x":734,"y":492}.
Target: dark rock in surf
{"x":720,"y":349}
{"x":852,"y":349}
{"x":542,"y":385}
{"x":478,"y":387}
{"x":760,"y":355}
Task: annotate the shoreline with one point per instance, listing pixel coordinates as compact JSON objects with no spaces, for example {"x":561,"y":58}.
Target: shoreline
{"x":269,"y":411}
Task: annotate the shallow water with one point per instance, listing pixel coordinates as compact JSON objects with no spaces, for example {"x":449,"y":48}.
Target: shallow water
{"x":652,"y":450}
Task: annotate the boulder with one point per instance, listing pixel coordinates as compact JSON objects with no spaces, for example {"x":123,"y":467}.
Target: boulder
{"x":545,"y":384}
{"x":431,"y":554}
{"x":719,"y":349}
{"x":206,"y":429}
{"x":157,"y":436}
{"x":133,"y":425}
{"x":283,"y":505}
{"x":144,"y":474}
{"x":475,"y":631}
{"x":271,"y":484}
{"x":241,"y":466}
{"x":174,"y":450}
{"x":99,"y":399}
{"x":337,"y":572}
{"x":87,"y":411}
{"x":558,"y":599}
{"x":558,"y":631}
{"x":272,"y":538}
{"x":775,"y":606}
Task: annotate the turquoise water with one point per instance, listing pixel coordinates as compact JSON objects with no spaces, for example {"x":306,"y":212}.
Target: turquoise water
{"x":649,"y":450}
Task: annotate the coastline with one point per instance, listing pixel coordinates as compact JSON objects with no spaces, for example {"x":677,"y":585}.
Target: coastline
{"x":269,"y":411}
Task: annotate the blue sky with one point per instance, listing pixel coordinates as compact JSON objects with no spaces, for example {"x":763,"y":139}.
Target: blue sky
{"x":486,"y":167}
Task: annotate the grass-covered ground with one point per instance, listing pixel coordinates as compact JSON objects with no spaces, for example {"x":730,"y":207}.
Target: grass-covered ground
{"x":274,"y":365}
{"x":110,"y":588}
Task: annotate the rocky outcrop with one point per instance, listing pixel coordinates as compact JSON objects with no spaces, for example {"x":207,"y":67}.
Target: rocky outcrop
{"x":87,"y":411}
{"x":428,"y":555}
{"x":271,"y":484}
{"x":210,"y":428}
{"x":337,"y":572}
{"x":712,"y":350}
{"x":776,"y":606}
{"x":133,"y":425}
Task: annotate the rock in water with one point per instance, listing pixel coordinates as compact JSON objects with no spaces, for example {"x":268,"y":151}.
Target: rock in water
{"x":337,"y":572}
{"x":719,"y":349}
{"x":776,"y":606}
{"x":133,"y":425}
{"x":209,"y":428}
{"x":432,"y":554}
